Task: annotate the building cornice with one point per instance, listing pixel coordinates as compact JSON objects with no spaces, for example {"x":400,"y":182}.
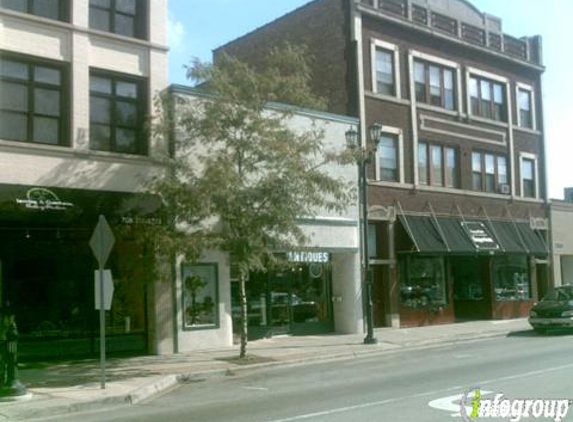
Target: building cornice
{"x":52,"y":23}
{"x":369,"y":11}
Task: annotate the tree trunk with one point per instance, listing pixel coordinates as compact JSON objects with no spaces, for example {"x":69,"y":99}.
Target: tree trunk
{"x":244,"y":320}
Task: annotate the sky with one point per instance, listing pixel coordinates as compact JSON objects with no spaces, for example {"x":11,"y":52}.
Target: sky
{"x":196,"y":27}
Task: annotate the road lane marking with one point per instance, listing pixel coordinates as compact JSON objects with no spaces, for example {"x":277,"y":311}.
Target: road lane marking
{"x":414,"y":396}
{"x":255,"y":388}
{"x":360,"y":406}
{"x":453,"y":403}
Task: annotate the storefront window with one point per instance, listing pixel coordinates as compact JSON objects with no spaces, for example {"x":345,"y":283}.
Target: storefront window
{"x":511,"y":278}
{"x":287,"y":301}
{"x":200,"y":296}
{"x":309,"y":299}
{"x":424,"y":284}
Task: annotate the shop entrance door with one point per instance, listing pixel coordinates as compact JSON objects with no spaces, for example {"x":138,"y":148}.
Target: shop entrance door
{"x":542,"y":276}
{"x":280,"y":303}
{"x":471,"y":288}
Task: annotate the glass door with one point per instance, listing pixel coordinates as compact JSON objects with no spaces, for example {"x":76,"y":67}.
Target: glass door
{"x":280,"y":302}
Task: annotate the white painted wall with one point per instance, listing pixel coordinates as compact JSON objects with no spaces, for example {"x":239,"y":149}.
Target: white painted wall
{"x":77,"y":166}
{"x":567,"y":269}
{"x":562,"y":237}
{"x":208,"y":338}
{"x":82,"y":48}
{"x":328,"y":231}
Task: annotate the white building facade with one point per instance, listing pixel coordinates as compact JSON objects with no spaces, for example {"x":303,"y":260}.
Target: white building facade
{"x":77,"y":82}
{"x":322,"y":291}
{"x":562,"y":239}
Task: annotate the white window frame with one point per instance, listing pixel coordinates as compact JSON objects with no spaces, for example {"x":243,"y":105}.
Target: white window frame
{"x":455,"y":67}
{"x":524,"y":87}
{"x":532,"y":157}
{"x":496,"y":78}
{"x":398,"y":133}
{"x":392,"y":48}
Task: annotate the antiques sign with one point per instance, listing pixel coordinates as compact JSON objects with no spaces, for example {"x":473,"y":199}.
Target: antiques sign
{"x":307,"y":256}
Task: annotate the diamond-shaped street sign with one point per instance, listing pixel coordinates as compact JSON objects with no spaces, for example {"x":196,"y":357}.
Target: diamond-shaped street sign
{"x":107,"y":289}
{"x":102,"y":241}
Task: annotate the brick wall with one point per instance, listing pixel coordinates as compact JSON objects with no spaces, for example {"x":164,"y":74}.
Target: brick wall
{"x":397,"y":114}
{"x":321,"y":26}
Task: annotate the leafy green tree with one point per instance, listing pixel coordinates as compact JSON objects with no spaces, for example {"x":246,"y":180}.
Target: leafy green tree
{"x":240,"y":178}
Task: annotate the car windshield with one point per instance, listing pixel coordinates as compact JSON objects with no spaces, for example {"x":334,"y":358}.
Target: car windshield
{"x":559,"y":295}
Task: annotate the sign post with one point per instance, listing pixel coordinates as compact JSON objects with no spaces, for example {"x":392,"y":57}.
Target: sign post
{"x":101,"y":242}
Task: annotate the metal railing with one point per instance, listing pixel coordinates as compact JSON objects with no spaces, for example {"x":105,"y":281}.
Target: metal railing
{"x":514,"y":47}
{"x":473,"y":34}
{"x":444,"y":23}
{"x":397,"y":7}
{"x":420,"y":15}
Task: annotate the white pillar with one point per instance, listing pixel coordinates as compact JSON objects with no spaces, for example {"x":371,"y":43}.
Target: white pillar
{"x":347,"y":294}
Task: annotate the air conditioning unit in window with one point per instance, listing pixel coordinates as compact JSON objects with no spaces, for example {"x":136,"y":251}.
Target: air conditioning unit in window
{"x":504,"y":189}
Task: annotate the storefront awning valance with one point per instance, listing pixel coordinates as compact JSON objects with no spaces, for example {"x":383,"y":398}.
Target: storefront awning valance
{"x":453,"y":235}
{"x":48,"y":206}
{"x":423,"y":233}
{"x":519,"y":238}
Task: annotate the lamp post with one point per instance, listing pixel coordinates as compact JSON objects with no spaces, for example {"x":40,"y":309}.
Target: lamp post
{"x":364,"y":158}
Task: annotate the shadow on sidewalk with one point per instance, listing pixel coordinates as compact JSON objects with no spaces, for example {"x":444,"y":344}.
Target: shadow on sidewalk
{"x":554,"y":332}
{"x":73,"y":373}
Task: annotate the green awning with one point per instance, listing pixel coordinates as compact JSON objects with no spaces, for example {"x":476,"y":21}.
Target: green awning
{"x":454,"y":235}
{"x":423,"y":233}
{"x":533,"y":241}
{"x":505,"y":232}
{"x":519,"y":238}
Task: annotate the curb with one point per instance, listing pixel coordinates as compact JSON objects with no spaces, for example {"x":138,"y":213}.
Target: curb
{"x":170,"y":382}
{"x":429,"y":344}
{"x":153,"y":390}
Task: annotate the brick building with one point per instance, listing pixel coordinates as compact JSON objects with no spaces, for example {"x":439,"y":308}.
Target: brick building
{"x":77,"y":80}
{"x":458,"y":202}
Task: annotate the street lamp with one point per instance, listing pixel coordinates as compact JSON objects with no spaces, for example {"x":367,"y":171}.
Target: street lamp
{"x":364,"y":158}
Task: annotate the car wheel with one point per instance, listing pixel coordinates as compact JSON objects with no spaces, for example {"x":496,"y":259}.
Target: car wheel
{"x":540,"y":330}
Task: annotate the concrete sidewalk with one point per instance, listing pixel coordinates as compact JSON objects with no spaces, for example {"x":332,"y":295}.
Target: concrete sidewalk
{"x":71,"y":387}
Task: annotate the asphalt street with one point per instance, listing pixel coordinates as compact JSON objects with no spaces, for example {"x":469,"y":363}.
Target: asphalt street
{"x":416,"y":385}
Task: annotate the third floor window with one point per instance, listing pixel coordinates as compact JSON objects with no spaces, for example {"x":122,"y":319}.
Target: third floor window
{"x":385,"y":72}
{"x":122,"y":17}
{"x":434,"y":85}
{"x":33,"y":106}
{"x":487,"y":99}
{"x":117,"y":111}
{"x":525,"y":104}
{"x":51,"y":9}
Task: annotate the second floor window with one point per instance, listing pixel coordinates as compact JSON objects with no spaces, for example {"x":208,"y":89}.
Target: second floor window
{"x":51,"y":9}
{"x":117,"y":114}
{"x":437,"y":165}
{"x":528,"y":178}
{"x":388,"y":169}
{"x":434,"y":85}
{"x":489,"y":172}
{"x":33,"y":104}
{"x":385,"y":72}
{"x":122,"y":17}
{"x":487,"y":99}
{"x":524,"y":102}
